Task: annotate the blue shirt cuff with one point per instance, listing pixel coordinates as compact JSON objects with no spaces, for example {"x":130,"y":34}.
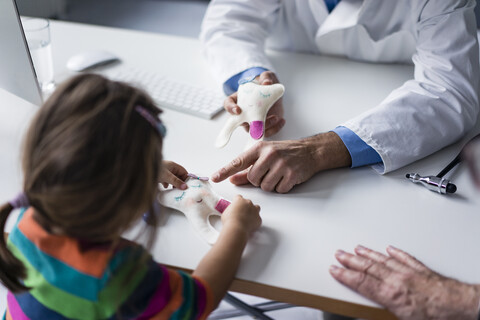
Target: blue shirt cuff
{"x":360,"y":152}
{"x":231,"y":85}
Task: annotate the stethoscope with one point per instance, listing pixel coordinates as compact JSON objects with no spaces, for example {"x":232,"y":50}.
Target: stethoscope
{"x":438,"y":183}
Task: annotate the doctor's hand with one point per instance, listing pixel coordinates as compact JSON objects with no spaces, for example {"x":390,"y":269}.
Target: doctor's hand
{"x":275,"y":120}
{"x":174,"y":174}
{"x":405,"y":286}
{"x":280,"y":165}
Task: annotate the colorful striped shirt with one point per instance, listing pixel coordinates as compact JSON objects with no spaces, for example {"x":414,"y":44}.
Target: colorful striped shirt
{"x":70,"y":280}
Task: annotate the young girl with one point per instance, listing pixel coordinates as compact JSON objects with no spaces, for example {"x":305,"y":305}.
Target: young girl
{"x":92,"y":161}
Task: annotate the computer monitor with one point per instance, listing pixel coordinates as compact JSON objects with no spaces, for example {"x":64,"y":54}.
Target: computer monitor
{"x":17,"y":74}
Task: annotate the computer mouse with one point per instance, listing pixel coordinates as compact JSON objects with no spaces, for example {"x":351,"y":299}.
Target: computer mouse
{"x":90,"y":59}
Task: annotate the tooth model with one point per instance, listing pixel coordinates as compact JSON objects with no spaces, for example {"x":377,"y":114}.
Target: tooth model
{"x":255,"y":100}
{"x":198,"y":202}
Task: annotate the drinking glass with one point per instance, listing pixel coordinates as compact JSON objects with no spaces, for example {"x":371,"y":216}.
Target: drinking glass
{"x":37,"y":33}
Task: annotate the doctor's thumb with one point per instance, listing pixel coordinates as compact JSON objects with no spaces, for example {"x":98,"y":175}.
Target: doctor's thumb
{"x":267,"y":78}
{"x":266,"y":82}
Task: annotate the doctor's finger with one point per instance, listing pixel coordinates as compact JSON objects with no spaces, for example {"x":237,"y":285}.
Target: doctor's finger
{"x":362,"y":283}
{"x":258,"y":171}
{"x":285,"y":185}
{"x":230,"y":104}
{"x":242,"y":162}
{"x":240,"y":179}
{"x":270,"y":180}
{"x":274,"y":174}
{"x":381,"y":258}
{"x":407,"y":259}
{"x":274,"y":126}
{"x":361,"y":264}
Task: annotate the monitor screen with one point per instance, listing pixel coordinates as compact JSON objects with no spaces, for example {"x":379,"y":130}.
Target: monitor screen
{"x":17,"y":74}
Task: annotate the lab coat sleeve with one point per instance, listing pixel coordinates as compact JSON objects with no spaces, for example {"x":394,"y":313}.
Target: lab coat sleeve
{"x":440,"y":104}
{"x":233,"y":35}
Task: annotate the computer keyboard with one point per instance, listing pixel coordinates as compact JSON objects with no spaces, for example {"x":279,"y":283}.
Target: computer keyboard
{"x":182,"y":97}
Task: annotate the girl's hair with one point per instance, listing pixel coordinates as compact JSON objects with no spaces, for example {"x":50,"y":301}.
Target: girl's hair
{"x":91,"y":164}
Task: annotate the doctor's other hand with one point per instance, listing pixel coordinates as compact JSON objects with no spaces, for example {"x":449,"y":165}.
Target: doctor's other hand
{"x":280,"y":165}
{"x":275,"y":121}
{"x":174,"y":174}
{"x":405,"y":286}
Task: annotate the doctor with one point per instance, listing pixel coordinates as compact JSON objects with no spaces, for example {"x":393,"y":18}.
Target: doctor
{"x":425,"y":114}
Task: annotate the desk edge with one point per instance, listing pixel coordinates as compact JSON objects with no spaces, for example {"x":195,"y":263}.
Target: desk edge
{"x":305,"y":299}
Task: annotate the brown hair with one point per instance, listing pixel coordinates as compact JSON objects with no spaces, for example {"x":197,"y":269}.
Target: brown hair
{"x":91,"y":165}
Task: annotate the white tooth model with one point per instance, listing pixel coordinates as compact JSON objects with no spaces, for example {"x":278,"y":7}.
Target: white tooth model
{"x":197,"y":202}
{"x":255,"y":100}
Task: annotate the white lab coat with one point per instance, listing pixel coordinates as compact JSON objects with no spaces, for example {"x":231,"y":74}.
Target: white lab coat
{"x":425,"y":114}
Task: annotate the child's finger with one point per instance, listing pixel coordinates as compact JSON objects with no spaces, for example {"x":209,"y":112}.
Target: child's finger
{"x":176,"y":169}
{"x":175,"y":181}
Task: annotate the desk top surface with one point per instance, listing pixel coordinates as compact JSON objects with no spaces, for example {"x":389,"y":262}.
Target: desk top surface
{"x":301,"y":230}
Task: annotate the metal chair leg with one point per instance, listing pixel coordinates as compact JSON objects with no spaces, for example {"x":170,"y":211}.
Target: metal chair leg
{"x":257,"y":311}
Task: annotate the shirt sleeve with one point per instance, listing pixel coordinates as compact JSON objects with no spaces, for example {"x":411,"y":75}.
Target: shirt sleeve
{"x":234,"y":33}
{"x":360,"y":152}
{"x":441,"y":103}
{"x":168,"y":294}
{"x":195,"y":296}
{"x":231,"y":85}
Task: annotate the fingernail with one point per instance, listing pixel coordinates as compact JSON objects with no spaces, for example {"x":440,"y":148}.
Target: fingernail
{"x":390,"y":247}
{"x":183,"y":186}
{"x":236,"y":110}
{"x":334,"y":269}
{"x":339,"y":253}
{"x":361,"y":248}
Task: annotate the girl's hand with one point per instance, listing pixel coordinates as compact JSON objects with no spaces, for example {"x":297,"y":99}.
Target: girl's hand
{"x":220,"y":264}
{"x":242,"y":214}
{"x":174,"y":174}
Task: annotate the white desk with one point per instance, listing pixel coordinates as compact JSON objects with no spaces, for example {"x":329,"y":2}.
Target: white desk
{"x":288,"y":259}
